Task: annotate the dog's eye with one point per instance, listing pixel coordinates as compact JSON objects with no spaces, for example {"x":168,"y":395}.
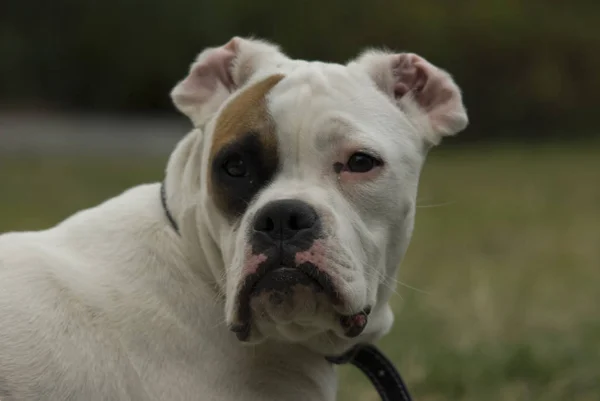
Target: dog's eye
{"x":235,"y":167}
{"x":361,"y":162}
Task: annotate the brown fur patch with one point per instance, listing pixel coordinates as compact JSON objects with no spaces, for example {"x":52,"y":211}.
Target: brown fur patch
{"x":245,"y":115}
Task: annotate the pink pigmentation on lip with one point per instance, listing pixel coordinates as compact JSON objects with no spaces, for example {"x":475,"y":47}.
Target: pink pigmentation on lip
{"x":314,"y":255}
{"x":253,"y":261}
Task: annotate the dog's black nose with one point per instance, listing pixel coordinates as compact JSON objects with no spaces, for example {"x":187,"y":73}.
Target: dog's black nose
{"x":284,"y":219}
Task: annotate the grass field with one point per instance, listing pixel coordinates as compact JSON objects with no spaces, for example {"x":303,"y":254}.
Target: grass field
{"x":500,"y":293}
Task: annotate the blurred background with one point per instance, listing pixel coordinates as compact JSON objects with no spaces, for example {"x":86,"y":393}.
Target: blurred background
{"x":499,"y":295}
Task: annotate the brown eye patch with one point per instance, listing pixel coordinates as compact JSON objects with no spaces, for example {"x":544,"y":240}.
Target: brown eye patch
{"x":244,"y":153}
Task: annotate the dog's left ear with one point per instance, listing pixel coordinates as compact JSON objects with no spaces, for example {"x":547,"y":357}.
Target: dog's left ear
{"x":410,"y":80}
{"x":220,"y":71}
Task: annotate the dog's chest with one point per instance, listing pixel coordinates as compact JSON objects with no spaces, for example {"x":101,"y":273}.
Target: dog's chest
{"x":207,"y":369}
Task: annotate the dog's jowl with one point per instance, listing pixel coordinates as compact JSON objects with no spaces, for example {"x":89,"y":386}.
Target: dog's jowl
{"x":284,"y":216}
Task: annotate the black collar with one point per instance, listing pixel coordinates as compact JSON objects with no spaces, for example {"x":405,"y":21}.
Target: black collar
{"x":368,"y":358}
{"x":378,"y":368}
{"x":163,"y":201}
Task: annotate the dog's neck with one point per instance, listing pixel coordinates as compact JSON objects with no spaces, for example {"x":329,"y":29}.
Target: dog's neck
{"x":180,"y":195}
{"x":182,"y":176}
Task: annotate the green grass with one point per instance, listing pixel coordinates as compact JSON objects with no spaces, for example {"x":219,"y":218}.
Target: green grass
{"x":501,"y":300}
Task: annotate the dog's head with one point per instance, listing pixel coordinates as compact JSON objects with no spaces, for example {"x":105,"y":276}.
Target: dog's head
{"x":308,"y":179}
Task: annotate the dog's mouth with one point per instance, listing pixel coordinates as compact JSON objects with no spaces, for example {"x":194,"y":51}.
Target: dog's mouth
{"x":280,"y":283}
{"x":283,"y":278}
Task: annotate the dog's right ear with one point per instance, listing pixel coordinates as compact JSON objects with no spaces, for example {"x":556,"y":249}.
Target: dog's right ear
{"x":414,"y":84}
{"x":218,"y":72}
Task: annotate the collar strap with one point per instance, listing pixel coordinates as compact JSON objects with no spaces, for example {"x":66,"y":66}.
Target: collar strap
{"x":163,"y":201}
{"x":378,"y":368}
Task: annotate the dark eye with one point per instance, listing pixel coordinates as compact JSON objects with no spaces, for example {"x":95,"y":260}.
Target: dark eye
{"x":361,"y":163}
{"x":235,"y":167}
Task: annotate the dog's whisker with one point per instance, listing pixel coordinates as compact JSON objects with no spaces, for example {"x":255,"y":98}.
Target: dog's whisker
{"x":391,"y":288}
{"x":403,"y":284}
{"x":389,"y":281}
{"x":432,"y":205}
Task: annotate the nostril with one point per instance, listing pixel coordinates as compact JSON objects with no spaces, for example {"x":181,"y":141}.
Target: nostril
{"x":293,"y":223}
{"x":269,"y":224}
{"x":301,"y":220}
{"x":265,"y":224}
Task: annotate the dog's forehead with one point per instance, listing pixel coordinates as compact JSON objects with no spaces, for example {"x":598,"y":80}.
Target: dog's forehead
{"x":271,"y":100}
{"x":320,"y":105}
{"x":314,"y":97}
{"x":316,"y":82}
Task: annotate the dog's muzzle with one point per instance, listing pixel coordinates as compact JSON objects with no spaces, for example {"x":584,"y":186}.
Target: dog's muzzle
{"x":285,"y":275}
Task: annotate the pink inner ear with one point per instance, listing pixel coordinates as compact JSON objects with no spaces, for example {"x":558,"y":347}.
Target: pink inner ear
{"x":218,"y":64}
{"x":430,"y":87}
{"x":212,"y":66}
{"x":409,"y":75}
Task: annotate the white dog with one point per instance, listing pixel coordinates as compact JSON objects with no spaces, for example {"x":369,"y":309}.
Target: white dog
{"x":279,"y":228}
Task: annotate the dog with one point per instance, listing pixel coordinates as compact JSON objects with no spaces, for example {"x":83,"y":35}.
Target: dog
{"x":272,"y":242}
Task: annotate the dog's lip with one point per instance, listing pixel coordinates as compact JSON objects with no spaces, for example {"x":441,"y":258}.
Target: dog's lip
{"x":242,"y":327}
{"x":353,"y":325}
{"x":241,"y":330}
{"x":282,"y":270}
{"x":323,"y":279}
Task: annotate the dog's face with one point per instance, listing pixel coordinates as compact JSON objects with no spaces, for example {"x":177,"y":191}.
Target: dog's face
{"x":309,"y":175}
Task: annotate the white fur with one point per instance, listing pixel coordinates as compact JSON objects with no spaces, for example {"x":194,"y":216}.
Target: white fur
{"x":112,"y":304}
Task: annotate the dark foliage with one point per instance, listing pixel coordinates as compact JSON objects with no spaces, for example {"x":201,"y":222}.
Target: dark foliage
{"x":526,"y":67}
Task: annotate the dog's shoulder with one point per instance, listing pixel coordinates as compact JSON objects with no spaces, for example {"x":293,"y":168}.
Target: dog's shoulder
{"x":20,"y":251}
{"x":88,"y":231}
{"x":57,"y":289}
{"x":90,"y":251}
{"x":136,"y":208}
